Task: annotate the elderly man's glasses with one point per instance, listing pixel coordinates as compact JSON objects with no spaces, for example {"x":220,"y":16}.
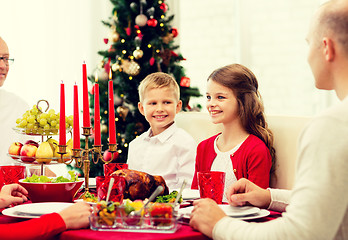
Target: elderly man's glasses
{"x":7,"y":61}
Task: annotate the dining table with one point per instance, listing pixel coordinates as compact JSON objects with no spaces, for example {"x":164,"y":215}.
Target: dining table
{"x":183,"y":232}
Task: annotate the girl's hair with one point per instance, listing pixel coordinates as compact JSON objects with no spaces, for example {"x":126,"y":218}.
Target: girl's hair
{"x":244,"y":85}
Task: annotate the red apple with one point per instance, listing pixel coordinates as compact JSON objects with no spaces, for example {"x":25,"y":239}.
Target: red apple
{"x":32,"y":142}
{"x":28,"y":152}
{"x":107,"y":156}
{"x":15,"y":149}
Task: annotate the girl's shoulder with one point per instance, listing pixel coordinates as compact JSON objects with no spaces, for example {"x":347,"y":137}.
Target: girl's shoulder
{"x":209,"y":140}
{"x":255,"y":142}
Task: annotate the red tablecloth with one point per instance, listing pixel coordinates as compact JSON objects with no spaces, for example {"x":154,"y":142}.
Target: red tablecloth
{"x":184,"y":232}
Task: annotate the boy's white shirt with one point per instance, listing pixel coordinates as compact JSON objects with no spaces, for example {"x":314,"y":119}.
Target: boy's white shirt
{"x":170,"y":154}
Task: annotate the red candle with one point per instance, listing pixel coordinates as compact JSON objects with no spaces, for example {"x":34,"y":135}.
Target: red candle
{"x":76,"y":125}
{"x":62,"y":129}
{"x":86,"y":118}
{"x":97,"y":137}
{"x":112,"y":127}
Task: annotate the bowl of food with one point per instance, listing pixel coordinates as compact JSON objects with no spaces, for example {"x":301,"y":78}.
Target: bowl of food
{"x":44,"y":189}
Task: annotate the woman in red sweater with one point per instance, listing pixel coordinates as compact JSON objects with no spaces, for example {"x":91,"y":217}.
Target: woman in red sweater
{"x":244,"y":148}
{"x":45,"y":227}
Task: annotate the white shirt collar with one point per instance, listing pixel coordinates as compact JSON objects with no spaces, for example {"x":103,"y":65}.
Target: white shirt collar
{"x":163,"y":136}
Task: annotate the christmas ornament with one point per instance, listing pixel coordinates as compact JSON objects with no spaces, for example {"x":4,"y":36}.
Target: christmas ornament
{"x":114,"y":17}
{"x":111,"y":49}
{"x":134,"y":6}
{"x":101,"y":64}
{"x":166,"y":56}
{"x":114,"y":36}
{"x":130,"y":67}
{"x":152,"y":61}
{"x":106,"y":40}
{"x":140,"y":127}
{"x":122,"y":111}
{"x":137,"y":41}
{"x":141,"y":20}
{"x":168,"y":38}
{"x":115,"y":67}
{"x":174,"y":31}
{"x":102,"y":74}
{"x":174,"y":54}
{"x":107,"y":66}
{"x":118,"y":100}
{"x":151,"y":11}
{"x":185,"y":82}
{"x":138,"y":53}
{"x":152,"y":22}
{"x":164,"y":7}
{"x":128,"y":29}
{"x":104,"y":128}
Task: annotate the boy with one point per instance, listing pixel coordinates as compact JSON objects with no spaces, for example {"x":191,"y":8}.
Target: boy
{"x":164,"y":149}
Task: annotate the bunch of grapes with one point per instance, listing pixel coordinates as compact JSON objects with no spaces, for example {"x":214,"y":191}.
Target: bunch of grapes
{"x":34,"y":121}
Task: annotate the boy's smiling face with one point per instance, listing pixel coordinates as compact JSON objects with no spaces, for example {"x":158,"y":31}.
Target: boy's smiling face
{"x":159,"y":107}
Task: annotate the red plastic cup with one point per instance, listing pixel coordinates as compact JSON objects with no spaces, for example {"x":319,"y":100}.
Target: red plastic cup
{"x":102,"y":184}
{"x":112,"y":167}
{"x":11,"y":174}
{"x":211,"y":184}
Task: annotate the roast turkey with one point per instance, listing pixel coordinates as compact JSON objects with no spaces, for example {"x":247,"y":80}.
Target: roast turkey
{"x":140,"y":185}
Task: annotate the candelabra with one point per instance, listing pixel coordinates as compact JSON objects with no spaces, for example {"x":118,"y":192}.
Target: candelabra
{"x":82,"y":156}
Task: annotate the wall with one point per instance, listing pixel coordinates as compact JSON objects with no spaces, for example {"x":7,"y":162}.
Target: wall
{"x":49,"y":41}
{"x":268,"y":36}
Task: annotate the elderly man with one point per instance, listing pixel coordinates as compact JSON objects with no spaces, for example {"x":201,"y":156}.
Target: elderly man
{"x":317,"y":207}
{"x":11,"y":107}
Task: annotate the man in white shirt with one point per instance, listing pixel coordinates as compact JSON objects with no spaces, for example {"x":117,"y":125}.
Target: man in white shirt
{"x":317,"y":207}
{"x":11,"y":108}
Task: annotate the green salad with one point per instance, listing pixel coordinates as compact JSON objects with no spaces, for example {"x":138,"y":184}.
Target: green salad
{"x":44,"y":179}
{"x":170,"y":198}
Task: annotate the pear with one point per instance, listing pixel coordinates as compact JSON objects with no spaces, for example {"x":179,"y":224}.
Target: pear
{"x":66,"y":157}
{"x":53,"y":143}
{"x":70,"y":143}
{"x":44,"y":153}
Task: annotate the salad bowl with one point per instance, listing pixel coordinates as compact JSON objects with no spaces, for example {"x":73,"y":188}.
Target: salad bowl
{"x":53,"y":190}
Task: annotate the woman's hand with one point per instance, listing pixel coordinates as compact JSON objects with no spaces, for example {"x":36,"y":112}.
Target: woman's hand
{"x":205,"y":214}
{"x":12,"y":194}
{"x":244,"y":192}
{"x":76,"y":216}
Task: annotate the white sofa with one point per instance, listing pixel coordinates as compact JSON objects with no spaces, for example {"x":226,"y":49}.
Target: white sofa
{"x":286,"y":130}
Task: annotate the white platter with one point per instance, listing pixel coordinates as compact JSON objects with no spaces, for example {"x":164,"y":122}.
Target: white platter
{"x":229,"y":210}
{"x":35,"y":210}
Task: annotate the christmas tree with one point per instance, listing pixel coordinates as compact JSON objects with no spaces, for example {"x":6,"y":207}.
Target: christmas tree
{"x":140,"y":42}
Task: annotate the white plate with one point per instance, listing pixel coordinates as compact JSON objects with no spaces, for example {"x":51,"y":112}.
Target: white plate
{"x":92,"y":204}
{"x":229,"y":210}
{"x":189,"y":194}
{"x":35,"y":210}
{"x":262,"y":213}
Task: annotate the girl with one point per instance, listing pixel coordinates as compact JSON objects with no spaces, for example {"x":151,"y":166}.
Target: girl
{"x":244,"y":148}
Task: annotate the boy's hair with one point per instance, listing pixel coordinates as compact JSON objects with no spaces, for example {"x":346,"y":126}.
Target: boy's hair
{"x":244,"y":85}
{"x":158,"y":80}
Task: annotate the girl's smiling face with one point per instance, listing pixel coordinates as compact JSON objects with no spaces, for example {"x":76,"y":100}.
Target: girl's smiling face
{"x":222,"y":103}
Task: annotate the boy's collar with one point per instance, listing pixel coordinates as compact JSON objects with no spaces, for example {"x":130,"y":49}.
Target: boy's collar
{"x":163,"y":136}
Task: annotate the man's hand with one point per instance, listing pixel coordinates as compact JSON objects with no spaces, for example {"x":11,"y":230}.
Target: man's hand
{"x":244,"y":192}
{"x":205,"y":214}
